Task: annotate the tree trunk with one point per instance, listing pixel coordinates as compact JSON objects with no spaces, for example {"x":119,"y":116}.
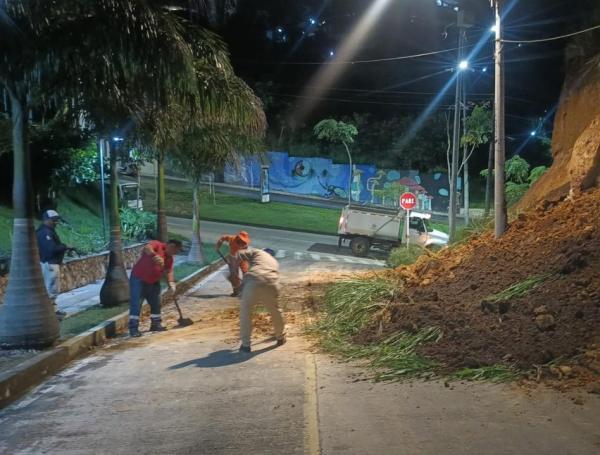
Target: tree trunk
{"x":195,"y":254}
{"x":467,"y":202}
{"x":115,"y":290}
{"x":27,"y":318}
{"x":161,"y":218}
{"x":350,"y":177}
{"x":489,"y":180}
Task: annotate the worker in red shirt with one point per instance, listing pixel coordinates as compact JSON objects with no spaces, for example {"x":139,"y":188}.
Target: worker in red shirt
{"x":155,"y":263}
{"x":236,"y":242}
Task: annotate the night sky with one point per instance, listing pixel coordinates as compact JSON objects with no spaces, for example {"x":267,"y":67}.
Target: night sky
{"x":272,"y":40}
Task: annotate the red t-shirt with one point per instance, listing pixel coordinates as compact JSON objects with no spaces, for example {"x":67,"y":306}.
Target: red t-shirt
{"x":149,"y":271}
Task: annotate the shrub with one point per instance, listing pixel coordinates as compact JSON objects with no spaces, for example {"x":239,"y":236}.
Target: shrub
{"x":137,"y":224}
{"x":404,"y":256}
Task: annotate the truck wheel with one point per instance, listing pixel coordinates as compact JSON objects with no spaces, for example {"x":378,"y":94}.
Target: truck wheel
{"x":360,"y":246}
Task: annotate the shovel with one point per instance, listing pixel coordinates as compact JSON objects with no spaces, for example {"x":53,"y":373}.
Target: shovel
{"x":222,"y":257}
{"x":182,"y":322}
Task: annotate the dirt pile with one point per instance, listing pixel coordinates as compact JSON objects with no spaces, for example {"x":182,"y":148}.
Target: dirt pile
{"x":547,"y":264}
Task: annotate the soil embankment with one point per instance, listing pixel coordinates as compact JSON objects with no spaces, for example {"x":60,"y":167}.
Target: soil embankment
{"x":558,"y":245}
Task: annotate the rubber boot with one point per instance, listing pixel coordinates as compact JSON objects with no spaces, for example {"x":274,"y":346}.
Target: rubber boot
{"x":134,"y":331}
{"x":156,"y":326}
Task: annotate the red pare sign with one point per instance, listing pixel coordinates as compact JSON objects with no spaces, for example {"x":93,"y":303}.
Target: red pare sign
{"x":408,"y":201}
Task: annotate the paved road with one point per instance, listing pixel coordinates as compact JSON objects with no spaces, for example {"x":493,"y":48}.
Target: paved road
{"x":188,"y":391}
{"x":288,"y":241}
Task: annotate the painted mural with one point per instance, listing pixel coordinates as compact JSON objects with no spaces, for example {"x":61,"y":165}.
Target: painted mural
{"x":323,"y":178}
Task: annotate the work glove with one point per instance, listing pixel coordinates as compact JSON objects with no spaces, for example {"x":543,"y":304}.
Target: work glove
{"x":158,"y":260}
{"x":172,"y":287}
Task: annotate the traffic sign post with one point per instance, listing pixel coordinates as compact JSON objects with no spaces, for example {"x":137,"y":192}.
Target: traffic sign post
{"x":408,"y":201}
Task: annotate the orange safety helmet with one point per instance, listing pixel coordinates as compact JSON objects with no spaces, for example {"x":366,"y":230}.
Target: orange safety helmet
{"x":243,"y":237}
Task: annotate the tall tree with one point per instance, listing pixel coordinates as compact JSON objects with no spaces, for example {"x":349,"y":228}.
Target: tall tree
{"x":220,"y":99}
{"x":338,"y":132}
{"x":74,"y":55}
{"x":477,"y":131}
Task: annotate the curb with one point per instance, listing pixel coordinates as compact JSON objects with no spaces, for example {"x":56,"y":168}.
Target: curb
{"x":21,"y":378}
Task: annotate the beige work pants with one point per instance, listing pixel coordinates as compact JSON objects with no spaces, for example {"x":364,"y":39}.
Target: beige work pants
{"x":51,"y":273}
{"x":254,"y":293}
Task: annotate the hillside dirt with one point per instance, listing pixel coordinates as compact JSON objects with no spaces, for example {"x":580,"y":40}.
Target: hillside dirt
{"x":556,"y":323}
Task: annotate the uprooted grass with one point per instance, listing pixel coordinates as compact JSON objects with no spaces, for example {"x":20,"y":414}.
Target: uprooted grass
{"x":519,"y":289}
{"x":493,"y":373}
{"x":351,"y":306}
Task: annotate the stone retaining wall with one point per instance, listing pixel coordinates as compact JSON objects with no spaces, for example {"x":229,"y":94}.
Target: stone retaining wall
{"x":79,"y":272}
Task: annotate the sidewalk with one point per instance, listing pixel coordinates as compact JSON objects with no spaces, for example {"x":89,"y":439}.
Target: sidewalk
{"x":21,"y":369}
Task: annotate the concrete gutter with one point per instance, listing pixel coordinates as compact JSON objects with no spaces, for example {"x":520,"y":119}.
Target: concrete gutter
{"x":21,"y":378}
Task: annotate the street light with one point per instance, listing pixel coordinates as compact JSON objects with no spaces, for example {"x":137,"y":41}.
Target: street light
{"x":533,"y":133}
{"x":463,"y":65}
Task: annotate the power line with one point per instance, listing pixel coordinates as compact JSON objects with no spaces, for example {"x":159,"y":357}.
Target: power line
{"x":342,"y":100}
{"x":384,"y":91}
{"x":554,"y":38}
{"x":356,"y":62}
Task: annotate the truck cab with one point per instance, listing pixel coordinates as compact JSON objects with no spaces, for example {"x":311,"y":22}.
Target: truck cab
{"x":366,"y":227}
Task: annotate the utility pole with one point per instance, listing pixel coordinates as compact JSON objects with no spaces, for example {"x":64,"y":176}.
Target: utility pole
{"x":456,"y":132}
{"x":499,"y":138}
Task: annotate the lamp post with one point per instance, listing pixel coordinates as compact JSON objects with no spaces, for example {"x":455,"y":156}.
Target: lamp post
{"x":462,"y":65}
{"x":101,"y":145}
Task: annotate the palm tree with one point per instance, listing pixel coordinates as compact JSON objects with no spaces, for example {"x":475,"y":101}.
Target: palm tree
{"x":74,"y":55}
{"x":221,"y":99}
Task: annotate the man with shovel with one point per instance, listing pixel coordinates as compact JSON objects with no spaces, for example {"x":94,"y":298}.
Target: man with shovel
{"x":236,"y":242}
{"x":260,"y":286}
{"x":155,"y":263}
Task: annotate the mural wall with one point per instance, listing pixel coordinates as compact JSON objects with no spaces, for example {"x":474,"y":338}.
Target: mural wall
{"x":323,"y":178}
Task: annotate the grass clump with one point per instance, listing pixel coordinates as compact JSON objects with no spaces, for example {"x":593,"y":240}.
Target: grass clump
{"x":476,"y":226}
{"x":404,"y":256}
{"x":350,"y":304}
{"x":493,"y":373}
{"x":350,"y":307}
{"x":519,"y":289}
{"x":397,"y":356}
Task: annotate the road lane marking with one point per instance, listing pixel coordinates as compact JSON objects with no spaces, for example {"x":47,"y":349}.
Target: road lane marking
{"x":281,"y":254}
{"x":315,"y":256}
{"x":298,"y":256}
{"x":312,"y":440}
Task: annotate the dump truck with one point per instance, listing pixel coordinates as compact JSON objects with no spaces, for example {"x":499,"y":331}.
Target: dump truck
{"x":365,"y":227}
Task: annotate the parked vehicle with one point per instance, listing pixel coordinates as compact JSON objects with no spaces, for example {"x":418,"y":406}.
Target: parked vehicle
{"x":130,"y":195}
{"x":366,"y":227}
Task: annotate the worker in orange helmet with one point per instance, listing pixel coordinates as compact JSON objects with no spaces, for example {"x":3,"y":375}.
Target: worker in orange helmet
{"x":237,"y":266}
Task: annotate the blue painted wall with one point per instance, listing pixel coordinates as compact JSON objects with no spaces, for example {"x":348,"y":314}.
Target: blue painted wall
{"x":321,"y":177}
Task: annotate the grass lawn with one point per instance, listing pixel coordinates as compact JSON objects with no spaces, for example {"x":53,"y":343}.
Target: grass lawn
{"x":84,"y":231}
{"x":246,"y":211}
{"x":87,"y":319}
